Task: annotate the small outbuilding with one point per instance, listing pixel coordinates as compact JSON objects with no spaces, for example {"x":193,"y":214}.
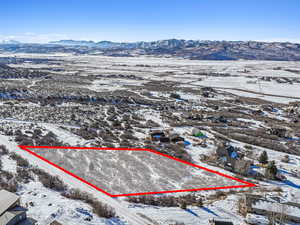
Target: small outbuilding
{"x":198,"y":133}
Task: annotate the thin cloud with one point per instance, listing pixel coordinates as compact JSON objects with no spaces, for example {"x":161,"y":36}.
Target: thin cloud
{"x":30,"y":37}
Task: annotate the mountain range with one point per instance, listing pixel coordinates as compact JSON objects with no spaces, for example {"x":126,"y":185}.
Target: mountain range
{"x":190,"y":49}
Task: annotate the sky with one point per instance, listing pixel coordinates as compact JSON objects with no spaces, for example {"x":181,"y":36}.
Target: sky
{"x":144,"y":20}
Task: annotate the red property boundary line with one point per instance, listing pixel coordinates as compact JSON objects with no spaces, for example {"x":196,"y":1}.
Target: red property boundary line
{"x":244,"y":183}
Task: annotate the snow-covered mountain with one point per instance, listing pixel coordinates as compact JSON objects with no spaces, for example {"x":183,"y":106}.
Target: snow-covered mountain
{"x":73,"y":43}
{"x":188,"y":49}
{"x":195,"y":49}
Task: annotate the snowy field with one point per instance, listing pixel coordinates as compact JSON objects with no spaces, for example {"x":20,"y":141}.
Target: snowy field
{"x":242,"y":75}
{"x":125,"y":172}
{"x":140,"y":89}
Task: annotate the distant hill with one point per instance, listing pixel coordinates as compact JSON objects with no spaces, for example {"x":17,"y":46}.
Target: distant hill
{"x":4,"y":67}
{"x":73,"y":43}
{"x":207,"y":50}
{"x":101,"y":44}
{"x":189,"y":49}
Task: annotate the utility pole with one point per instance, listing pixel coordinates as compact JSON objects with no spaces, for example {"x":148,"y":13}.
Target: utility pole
{"x":259,"y":86}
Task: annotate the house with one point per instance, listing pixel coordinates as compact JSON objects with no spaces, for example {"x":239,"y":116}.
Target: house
{"x":280,"y":131}
{"x":164,"y":139}
{"x":11,"y":213}
{"x":207,"y":92}
{"x":197,"y":133}
{"x":258,"y":112}
{"x":268,"y":108}
{"x":280,"y":211}
{"x":156,"y":135}
{"x":227,"y":151}
{"x":176,"y":138}
{"x":231,"y":158}
{"x":221,"y":119}
{"x":242,"y":167}
{"x":220,"y":222}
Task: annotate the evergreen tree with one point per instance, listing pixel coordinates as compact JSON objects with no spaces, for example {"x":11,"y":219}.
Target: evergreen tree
{"x":263,"y":158}
{"x":174,"y":95}
{"x":271,"y":171}
{"x":200,"y":202}
{"x":183,"y":205}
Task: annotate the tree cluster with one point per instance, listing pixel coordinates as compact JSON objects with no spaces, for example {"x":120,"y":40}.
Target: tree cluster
{"x":99,"y":208}
{"x":49,"y":181}
{"x":167,"y":201}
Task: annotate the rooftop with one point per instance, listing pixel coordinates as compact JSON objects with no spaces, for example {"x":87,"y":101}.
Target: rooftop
{"x":7,"y":200}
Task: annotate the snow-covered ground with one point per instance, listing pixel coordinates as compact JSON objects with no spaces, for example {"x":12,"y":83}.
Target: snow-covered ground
{"x":124,"y":172}
{"x":142,"y":76}
{"x":223,"y":210}
{"x":125,"y":214}
{"x":45,"y":206}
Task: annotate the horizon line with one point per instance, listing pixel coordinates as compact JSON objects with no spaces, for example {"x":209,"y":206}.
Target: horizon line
{"x":2,"y":41}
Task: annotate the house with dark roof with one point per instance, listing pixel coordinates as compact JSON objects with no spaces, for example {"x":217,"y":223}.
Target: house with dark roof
{"x":220,"y":222}
{"x":11,"y":213}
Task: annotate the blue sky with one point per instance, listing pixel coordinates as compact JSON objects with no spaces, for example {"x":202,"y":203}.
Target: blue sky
{"x":136,"y":20}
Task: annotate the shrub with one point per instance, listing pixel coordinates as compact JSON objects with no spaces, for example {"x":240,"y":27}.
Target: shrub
{"x":102,"y":210}
{"x":49,"y":181}
{"x":256,"y":140}
{"x":174,"y":95}
{"x":128,"y":136}
{"x":50,"y":139}
{"x":263,"y":158}
{"x":177,"y":223}
{"x":3,"y":150}
{"x":183,"y":205}
{"x":53,"y":182}
{"x":249,"y":147}
{"x":23,"y":175}
{"x":76,"y":194}
{"x":23,"y":140}
{"x":20,"y":160}
{"x":11,"y":186}
{"x":217,"y":195}
{"x":37,"y":132}
{"x":7,"y":182}
{"x":178,"y":152}
{"x":86,"y":133}
{"x":285,"y":159}
{"x":271,"y":171}
{"x":167,"y":201}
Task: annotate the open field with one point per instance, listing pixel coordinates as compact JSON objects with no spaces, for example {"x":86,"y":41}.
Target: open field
{"x":108,"y":74}
{"x":221,"y":115}
{"x":122,"y":172}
